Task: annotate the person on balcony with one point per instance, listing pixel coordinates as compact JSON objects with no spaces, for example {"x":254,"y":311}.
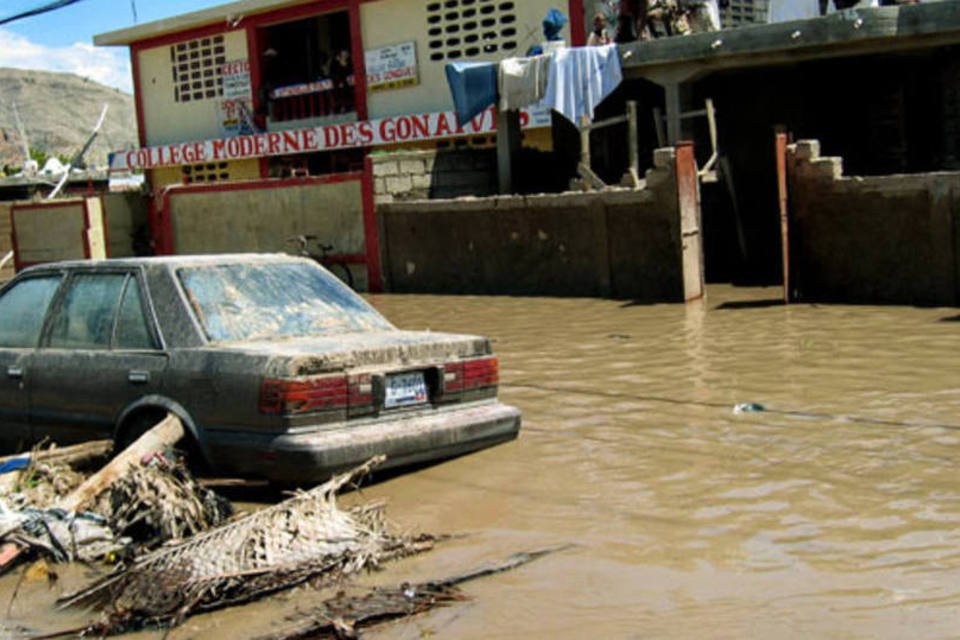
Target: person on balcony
{"x":599,"y":36}
{"x":341,"y":69}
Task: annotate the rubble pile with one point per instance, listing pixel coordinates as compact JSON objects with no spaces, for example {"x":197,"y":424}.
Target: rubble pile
{"x":43,"y":483}
{"x":156,"y":501}
{"x":176,"y":550}
{"x":159,"y":501}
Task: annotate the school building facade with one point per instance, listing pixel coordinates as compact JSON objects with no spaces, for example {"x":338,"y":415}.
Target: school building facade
{"x":257,"y":119}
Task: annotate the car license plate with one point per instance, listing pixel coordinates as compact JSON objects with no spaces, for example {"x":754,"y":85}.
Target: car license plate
{"x":404,"y":389}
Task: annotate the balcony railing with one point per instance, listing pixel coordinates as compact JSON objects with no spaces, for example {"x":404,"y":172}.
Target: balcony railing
{"x":310,"y":100}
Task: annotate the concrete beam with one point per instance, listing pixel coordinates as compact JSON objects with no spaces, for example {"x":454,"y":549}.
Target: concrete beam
{"x":230,"y":12}
{"x":846,"y":33}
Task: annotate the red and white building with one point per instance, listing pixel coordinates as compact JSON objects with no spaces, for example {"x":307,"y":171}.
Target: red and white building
{"x":256,"y":118}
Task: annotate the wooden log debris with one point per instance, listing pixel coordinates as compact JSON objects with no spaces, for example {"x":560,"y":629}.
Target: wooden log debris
{"x":165,"y":434}
{"x":343,"y":615}
{"x":74,"y":455}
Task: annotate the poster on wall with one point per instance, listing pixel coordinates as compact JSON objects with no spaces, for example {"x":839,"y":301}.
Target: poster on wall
{"x":235,"y":78}
{"x":235,"y":108}
{"x":392,"y":66}
{"x":235,"y":117}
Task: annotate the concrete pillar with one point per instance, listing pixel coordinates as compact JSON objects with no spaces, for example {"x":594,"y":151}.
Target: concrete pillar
{"x":672,"y":103}
{"x":677,"y":96}
{"x":508,"y":145}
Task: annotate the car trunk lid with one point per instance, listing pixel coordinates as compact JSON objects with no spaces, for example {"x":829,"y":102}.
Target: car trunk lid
{"x":372,"y":350}
{"x":312,"y":381}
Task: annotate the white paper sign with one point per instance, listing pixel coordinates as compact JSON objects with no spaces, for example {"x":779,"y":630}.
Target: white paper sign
{"x":235,"y":77}
{"x":392,"y":66}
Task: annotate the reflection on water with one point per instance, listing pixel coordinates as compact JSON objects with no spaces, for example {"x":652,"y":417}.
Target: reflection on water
{"x":834,"y":513}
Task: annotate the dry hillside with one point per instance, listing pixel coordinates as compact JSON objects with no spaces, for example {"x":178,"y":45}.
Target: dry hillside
{"x":58,"y":111}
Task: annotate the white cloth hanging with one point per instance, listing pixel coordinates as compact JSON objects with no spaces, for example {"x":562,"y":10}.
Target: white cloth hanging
{"x":580,"y":78}
{"x":522,"y":81}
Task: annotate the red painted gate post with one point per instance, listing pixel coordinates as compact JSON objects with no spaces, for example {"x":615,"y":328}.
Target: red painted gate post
{"x":371,"y":229}
{"x":688,"y":201}
{"x":780,"y":145}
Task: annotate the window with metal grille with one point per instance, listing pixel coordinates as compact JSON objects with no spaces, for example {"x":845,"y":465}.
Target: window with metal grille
{"x":196,"y":68}
{"x":470,"y":28}
{"x":741,"y":12}
{"x":205,"y":173}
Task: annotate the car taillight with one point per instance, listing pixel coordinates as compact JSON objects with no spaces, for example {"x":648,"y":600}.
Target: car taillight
{"x":470,"y":374}
{"x":318,"y":393}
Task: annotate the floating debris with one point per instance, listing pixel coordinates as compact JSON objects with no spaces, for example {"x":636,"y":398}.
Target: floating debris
{"x":342,"y":615}
{"x":60,"y":535}
{"x":139,"y":497}
{"x":306,"y":537}
{"x":160,"y":501}
{"x":748,"y":407}
{"x":46,"y":473}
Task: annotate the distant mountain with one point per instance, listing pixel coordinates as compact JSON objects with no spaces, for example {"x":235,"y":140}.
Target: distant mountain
{"x":58,"y":111}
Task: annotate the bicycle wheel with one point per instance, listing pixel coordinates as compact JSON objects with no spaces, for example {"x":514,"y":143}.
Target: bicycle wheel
{"x":342,"y":271}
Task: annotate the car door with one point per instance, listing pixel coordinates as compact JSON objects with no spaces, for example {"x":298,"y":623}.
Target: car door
{"x":23,"y":307}
{"x":100,"y":352}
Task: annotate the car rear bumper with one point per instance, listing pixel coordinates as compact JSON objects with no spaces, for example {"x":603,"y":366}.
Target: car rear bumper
{"x":408,"y":439}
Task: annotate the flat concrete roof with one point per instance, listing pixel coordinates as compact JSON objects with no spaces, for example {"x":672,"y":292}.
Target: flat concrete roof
{"x":232,"y":12}
{"x":850,"y":32}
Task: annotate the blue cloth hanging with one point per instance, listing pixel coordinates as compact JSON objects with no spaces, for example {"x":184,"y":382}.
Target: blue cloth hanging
{"x":473,"y":86}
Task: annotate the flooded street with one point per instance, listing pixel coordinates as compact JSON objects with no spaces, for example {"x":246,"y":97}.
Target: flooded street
{"x":833,"y":513}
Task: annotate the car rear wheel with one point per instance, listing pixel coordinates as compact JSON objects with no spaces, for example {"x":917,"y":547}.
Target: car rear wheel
{"x":140,"y":423}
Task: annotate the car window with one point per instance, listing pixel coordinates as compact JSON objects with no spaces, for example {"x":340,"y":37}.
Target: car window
{"x":133,"y":331}
{"x":275,"y":300}
{"x":22,"y":309}
{"x":84,"y":319}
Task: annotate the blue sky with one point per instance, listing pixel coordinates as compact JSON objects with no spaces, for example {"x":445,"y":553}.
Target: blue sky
{"x":62,"y":40}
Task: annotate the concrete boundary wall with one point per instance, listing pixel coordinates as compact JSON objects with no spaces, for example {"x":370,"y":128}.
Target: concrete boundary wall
{"x":887,"y":239}
{"x":616,"y":243}
{"x":437,"y":174}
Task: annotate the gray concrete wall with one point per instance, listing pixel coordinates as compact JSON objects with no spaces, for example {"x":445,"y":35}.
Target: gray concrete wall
{"x":888,"y":239}
{"x":264,"y":219}
{"x":417,"y":175}
{"x":619,"y":243}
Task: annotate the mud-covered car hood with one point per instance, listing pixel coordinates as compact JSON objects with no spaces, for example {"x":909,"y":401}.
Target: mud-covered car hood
{"x":305,"y":356}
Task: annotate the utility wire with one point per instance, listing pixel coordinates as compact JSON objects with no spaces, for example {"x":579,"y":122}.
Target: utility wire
{"x":50,"y":6}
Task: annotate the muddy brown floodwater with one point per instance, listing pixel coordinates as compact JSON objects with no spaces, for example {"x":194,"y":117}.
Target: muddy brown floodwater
{"x":832,"y":514}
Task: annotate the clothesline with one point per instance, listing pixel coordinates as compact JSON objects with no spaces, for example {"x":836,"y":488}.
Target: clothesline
{"x":569,"y":80}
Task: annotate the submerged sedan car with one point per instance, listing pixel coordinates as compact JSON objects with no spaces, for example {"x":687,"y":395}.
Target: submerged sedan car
{"x":276,"y":368}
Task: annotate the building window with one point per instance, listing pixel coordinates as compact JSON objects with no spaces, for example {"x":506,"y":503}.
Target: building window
{"x":196,"y":68}
{"x":205,"y":173}
{"x":741,"y":12}
{"x":459,"y":29}
{"x":307,"y":71}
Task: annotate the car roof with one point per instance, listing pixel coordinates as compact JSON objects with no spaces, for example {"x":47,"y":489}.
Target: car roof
{"x":172,"y":261}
